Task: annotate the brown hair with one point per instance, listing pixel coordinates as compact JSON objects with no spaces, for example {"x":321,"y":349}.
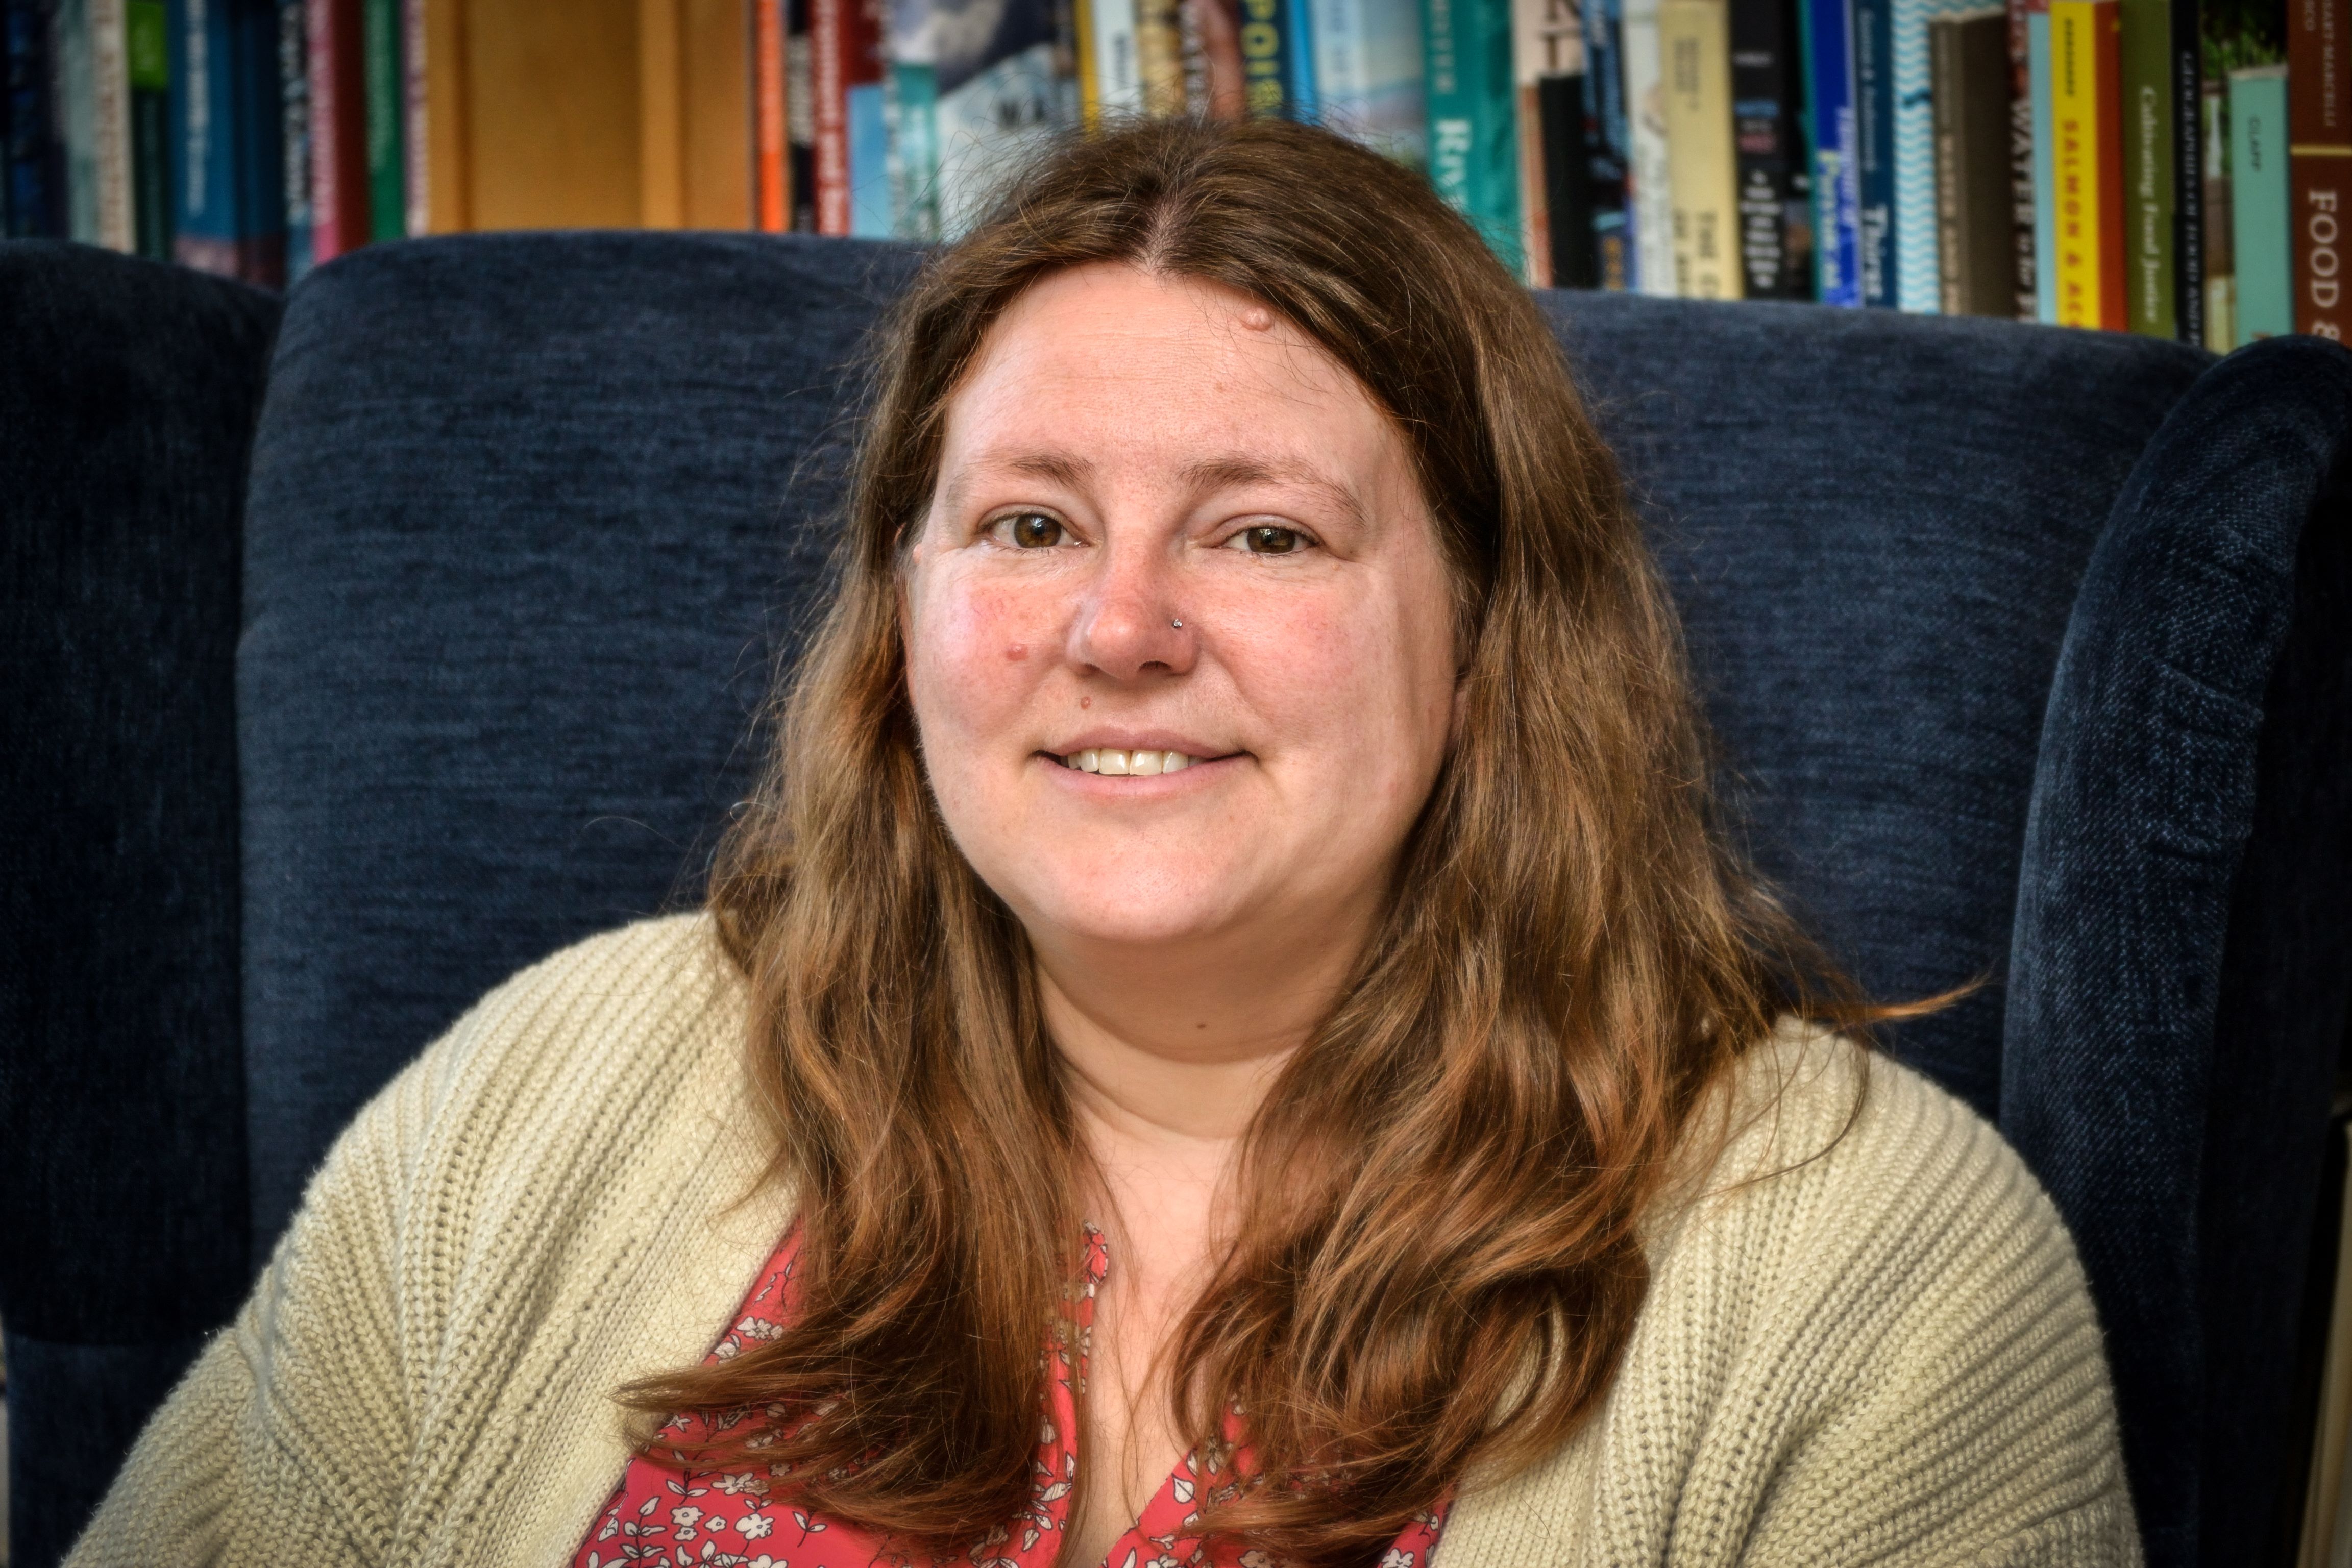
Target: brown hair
{"x":1439,"y":1261}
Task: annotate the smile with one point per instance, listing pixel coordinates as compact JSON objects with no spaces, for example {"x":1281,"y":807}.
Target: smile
{"x":1126,"y":764}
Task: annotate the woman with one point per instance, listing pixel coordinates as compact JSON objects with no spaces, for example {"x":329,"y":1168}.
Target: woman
{"x":1227,"y":1037}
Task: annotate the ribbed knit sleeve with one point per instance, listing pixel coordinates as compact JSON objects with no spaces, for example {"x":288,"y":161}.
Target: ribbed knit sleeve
{"x":1869,"y":1340}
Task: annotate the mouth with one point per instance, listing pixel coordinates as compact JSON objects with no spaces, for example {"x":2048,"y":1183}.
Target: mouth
{"x":1113,"y":763}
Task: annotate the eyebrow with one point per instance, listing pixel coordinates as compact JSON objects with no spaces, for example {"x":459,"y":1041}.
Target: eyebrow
{"x":1208,"y":474}
{"x":1203,"y":475}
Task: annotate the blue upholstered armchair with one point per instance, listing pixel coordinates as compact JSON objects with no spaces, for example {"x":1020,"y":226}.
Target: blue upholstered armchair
{"x":362,"y":649}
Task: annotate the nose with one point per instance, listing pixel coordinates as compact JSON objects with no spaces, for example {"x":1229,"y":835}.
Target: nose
{"x":1128,"y":622}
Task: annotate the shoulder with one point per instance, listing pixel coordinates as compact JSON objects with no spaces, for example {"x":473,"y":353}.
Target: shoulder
{"x":597,"y":1022}
{"x":622,"y":1041}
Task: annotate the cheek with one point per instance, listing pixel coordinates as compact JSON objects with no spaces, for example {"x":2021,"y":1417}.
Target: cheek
{"x":974,"y":651}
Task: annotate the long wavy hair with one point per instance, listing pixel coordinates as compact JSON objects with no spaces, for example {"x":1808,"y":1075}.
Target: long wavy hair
{"x":1438,"y":1261}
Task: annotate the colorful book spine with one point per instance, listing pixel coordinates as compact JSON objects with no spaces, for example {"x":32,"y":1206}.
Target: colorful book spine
{"x":1776,"y":234}
{"x":294,"y":134}
{"x":1695,"y":38}
{"x":1650,"y":172}
{"x":1837,"y":158}
{"x":1547,"y":46}
{"x":385,"y":91}
{"x":2220,"y":247}
{"x":772,"y":168}
{"x":867,"y":120}
{"x":338,"y":160}
{"x":833,"y":42}
{"x":1872,"y":41}
{"x":911,"y":103}
{"x":1299,"y":60}
{"x":2086,"y":119}
{"x":117,"y":225}
{"x":2045,"y":165}
{"x":996,"y":106}
{"x":1473,"y":133}
{"x":1265,"y":54}
{"x":2259,"y":197}
{"x":2319,"y":161}
{"x":2151,"y":245}
{"x":1918,"y":277}
{"x":1609,"y":142}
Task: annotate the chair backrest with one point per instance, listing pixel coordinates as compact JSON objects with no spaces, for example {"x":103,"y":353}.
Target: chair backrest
{"x":534,"y":518}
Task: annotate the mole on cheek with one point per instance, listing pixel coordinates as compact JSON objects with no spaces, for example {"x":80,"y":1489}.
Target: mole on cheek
{"x":1086,"y":701}
{"x":1017,"y":652}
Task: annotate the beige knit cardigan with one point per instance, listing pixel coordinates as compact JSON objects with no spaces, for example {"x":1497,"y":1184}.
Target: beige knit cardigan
{"x":1881,"y":1355}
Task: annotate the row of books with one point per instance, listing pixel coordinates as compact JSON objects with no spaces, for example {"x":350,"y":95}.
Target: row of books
{"x":2175,"y":167}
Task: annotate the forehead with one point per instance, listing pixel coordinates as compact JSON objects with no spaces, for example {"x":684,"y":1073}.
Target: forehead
{"x":1111,"y":356}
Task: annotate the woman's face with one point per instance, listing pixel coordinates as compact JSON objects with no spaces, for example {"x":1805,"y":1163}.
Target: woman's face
{"x":1167,"y":523}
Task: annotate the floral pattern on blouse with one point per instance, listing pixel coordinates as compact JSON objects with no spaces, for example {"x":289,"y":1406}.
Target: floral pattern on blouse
{"x":660,"y":1518}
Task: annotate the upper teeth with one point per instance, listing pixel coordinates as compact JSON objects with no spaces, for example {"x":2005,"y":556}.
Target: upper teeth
{"x":1104,"y":760}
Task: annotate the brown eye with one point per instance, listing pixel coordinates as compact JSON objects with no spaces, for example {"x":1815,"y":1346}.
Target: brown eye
{"x":1033,"y":530}
{"x":1269,"y":541}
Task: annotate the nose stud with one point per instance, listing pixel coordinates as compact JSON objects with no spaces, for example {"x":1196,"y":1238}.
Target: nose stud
{"x":1178,"y":625}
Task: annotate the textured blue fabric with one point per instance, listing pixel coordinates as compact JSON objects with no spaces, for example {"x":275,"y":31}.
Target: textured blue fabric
{"x":1873,"y":525}
{"x":2145,"y":799}
{"x":530,"y":518}
{"x":128,"y":393}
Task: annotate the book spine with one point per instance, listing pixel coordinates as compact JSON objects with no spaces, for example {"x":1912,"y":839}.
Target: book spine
{"x":1874,"y":117}
{"x":772,"y":190}
{"x":1265,"y":84}
{"x":911,"y":104}
{"x":1650,"y":172}
{"x":1082,"y":22}
{"x":110,"y":116}
{"x":2021,"y":161}
{"x":204,"y":175}
{"x":339,"y":164}
{"x":1117,"y":64}
{"x":866,"y":121}
{"x":2319,"y":161}
{"x":1548,"y":41}
{"x":2221,"y":283}
{"x":2149,"y":157}
{"x":1775,"y":229}
{"x":1947,"y":86}
{"x":415,"y":164}
{"x":2261,"y":192}
{"x":1608,"y":175}
{"x":1160,"y":55}
{"x":2045,"y":166}
{"x":74,"y":93}
{"x":2084,"y":104}
{"x":385,"y":93}
{"x":147,"y":41}
{"x":829,"y":49}
{"x":1473,"y":138}
{"x":294,"y":134}
{"x":1973,"y":129}
{"x":33,"y":191}
{"x":800,"y":120}
{"x":1911,"y":116}
{"x":1695,"y":36}
{"x":1297,"y":60}
{"x":2187,"y":85}
{"x":1836,"y":164}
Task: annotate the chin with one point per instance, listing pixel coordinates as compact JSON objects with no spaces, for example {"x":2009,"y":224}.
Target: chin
{"x":1153,"y":912}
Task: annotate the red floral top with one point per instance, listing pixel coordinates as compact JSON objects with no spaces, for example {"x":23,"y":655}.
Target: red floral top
{"x":658,"y":1518}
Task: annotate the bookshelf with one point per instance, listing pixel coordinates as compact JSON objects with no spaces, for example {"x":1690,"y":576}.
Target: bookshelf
{"x":2173,"y":167}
